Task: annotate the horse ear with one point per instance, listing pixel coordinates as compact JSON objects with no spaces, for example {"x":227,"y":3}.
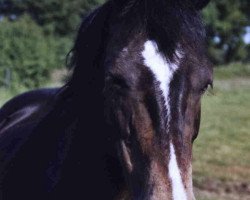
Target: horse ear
{"x":200,"y":4}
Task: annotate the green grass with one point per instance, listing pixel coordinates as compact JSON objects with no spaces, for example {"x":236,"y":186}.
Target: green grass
{"x":232,"y":71}
{"x":222,"y":150}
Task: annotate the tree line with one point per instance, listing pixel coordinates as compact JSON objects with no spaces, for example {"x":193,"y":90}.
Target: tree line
{"x":35,"y":36}
{"x":226,"y":22}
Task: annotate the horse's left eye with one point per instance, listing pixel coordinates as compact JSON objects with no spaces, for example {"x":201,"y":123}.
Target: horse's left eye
{"x":205,"y":88}
{"x":117,"y":81}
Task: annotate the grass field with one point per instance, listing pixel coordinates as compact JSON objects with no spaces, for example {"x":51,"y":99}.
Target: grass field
{"x":221,"y":163}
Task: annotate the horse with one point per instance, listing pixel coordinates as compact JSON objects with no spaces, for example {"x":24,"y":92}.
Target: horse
{"x":123,"y":126}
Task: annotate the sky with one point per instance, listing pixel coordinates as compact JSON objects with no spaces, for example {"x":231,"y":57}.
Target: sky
{"x":247,"y":36}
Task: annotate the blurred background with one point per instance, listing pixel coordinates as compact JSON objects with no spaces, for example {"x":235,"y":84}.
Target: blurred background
{"x":35,"y":37}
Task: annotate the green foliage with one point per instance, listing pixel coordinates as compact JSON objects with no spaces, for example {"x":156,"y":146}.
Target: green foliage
{"x":221,"y":151}
{"x":37,"y":37}
{"x":226,"y":21}
{"x":60,"y":17}
{"x":27,"y":55}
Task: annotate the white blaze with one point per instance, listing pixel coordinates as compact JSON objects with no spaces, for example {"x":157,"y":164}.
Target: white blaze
{"x":161,"y":68}
{"x":163,"y":71}
{"x":175,"y":175}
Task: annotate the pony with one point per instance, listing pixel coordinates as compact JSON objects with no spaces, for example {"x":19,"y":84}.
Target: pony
{"x":123,"y":126}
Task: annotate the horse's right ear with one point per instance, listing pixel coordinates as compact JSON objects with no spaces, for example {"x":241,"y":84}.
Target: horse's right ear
{"x":200,"y":4}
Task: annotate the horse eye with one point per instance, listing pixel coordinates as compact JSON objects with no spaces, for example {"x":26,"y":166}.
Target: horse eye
{"x":117,"y":81}
{"x":205,"y":88}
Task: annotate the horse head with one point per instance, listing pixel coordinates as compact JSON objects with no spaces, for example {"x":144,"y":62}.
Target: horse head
{"x":156,"y":71}
{"x":142,"y":62}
